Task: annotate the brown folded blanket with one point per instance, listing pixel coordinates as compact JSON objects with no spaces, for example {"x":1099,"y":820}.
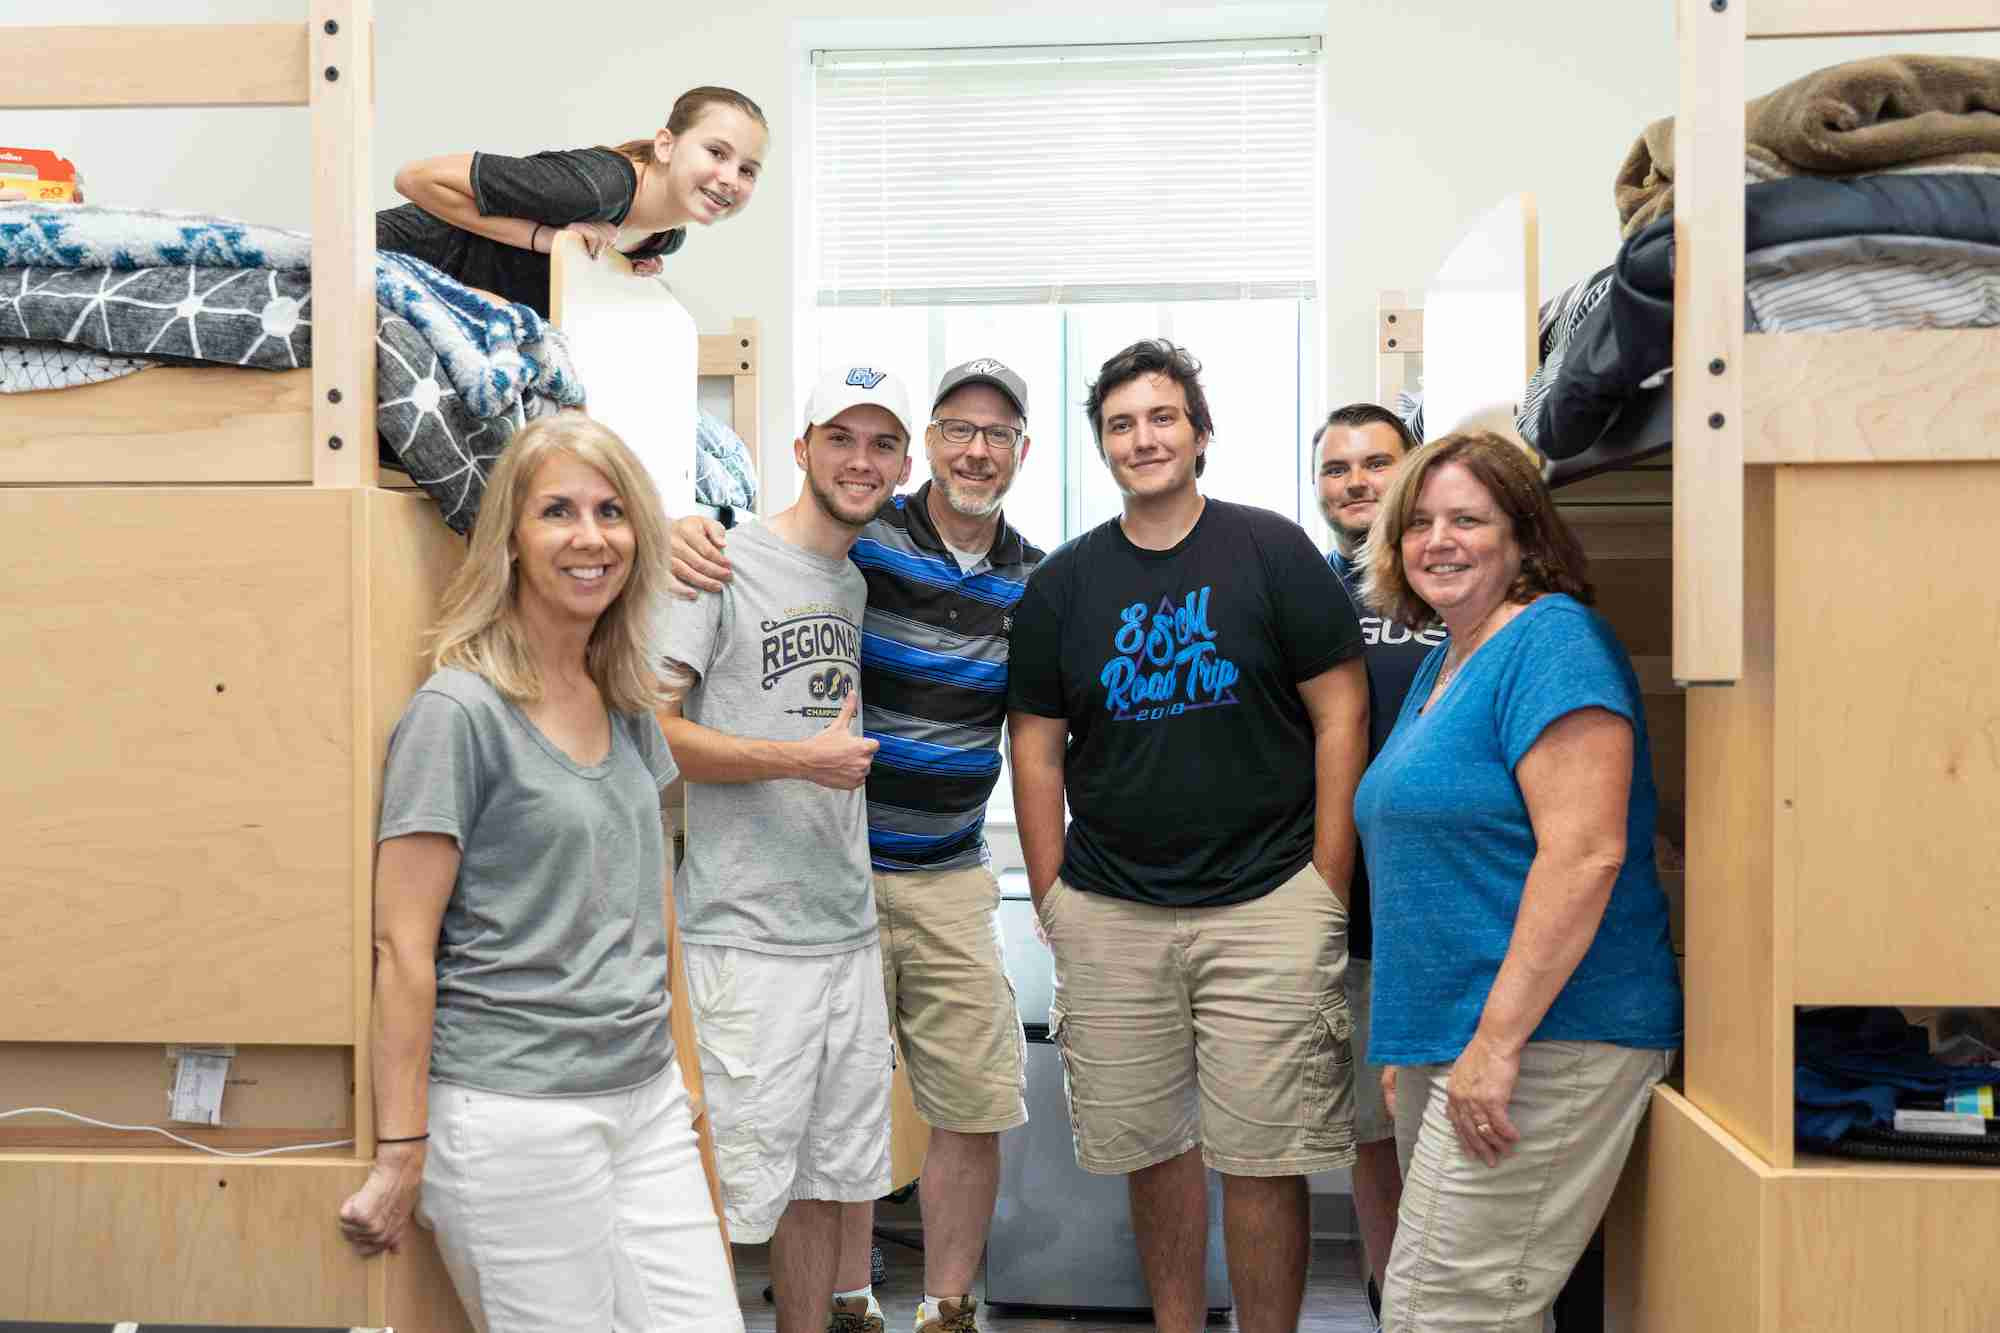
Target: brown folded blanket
{"x":1886,"y":113}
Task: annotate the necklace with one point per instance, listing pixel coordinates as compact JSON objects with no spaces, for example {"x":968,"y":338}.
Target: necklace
{"x":1449,"y":671}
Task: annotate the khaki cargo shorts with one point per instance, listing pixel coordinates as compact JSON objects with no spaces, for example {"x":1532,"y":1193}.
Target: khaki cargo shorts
{"x":951,"y":1005}
{"x":1223,"y":1027}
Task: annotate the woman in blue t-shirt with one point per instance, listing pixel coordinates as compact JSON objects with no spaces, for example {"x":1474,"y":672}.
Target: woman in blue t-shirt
{"x":1525,"y":987}
{"x":490,"y":220}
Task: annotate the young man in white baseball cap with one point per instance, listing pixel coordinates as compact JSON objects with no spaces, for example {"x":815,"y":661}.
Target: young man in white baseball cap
{"x":944,"y":570}
{"x":775,"y":898}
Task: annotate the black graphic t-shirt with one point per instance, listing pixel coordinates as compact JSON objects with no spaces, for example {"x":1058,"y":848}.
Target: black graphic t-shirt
{"x":558,"y":188}
{"x":1189,"y":770}
{"x":1393,"y":653}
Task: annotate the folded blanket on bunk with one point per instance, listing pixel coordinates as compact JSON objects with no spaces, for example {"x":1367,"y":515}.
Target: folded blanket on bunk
{"x":89,"y":236}
{"x":1875,"y":252}
{"x":457,"y":373}
{"x":209,"y":289}
{"x":1885,"y":113}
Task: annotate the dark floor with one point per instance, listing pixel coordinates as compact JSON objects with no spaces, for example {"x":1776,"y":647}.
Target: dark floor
{"x":1335,"y":1301}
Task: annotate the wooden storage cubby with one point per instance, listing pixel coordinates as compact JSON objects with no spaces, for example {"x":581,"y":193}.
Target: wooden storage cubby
{"x":1843,"y":849}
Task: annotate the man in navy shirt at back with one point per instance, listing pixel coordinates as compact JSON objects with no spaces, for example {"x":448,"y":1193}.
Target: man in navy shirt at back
{"x":1356,"y":454}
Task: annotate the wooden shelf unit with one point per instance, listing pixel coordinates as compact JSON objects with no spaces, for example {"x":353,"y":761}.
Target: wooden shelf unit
{"x":1831,"y":495}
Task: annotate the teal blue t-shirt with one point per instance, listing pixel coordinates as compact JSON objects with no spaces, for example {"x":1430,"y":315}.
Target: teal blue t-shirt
{"x":1448,"y":841}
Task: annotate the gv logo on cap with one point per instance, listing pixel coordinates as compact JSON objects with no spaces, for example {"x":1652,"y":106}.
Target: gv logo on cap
{"x":862,"y":377}
{"x":985,"y":366}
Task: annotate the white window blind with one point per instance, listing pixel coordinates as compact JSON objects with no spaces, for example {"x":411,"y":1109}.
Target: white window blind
{"x":1165,"y":171}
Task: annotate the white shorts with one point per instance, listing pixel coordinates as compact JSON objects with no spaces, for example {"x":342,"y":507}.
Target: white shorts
{"x":795,"y":1055}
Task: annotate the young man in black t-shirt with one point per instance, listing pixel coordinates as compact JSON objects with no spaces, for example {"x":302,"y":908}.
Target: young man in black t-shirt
{"x":1356,"y":454}
{"x":1189,"y":675}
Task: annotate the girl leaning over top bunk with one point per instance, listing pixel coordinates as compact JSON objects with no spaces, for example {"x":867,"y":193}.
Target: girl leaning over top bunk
{"x":528,"y":1096}
{"x":489,"y":220}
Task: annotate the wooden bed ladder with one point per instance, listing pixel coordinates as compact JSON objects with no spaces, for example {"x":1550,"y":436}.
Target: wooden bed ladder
{"x":1713,"y":436}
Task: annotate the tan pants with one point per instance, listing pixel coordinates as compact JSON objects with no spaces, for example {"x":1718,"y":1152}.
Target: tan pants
{"x":1223,"y":1027}
{"x":1488,"y":1248}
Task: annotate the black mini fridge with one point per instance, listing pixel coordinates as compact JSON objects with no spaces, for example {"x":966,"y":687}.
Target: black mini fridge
{"x":1062,"y":1237}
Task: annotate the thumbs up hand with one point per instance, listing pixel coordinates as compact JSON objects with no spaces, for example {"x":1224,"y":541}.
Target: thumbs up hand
{"x":839,"y":757}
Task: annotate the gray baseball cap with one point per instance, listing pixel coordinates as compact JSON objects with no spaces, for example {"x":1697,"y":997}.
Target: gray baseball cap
{"x":985,"y":370}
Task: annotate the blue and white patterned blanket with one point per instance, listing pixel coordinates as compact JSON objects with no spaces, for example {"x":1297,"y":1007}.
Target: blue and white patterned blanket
{"x":456,"y":373}
{"x":493,"y":353}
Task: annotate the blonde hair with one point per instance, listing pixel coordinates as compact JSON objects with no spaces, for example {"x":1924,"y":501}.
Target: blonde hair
{"x":1552,"y":559}
{"x":479,"y":627}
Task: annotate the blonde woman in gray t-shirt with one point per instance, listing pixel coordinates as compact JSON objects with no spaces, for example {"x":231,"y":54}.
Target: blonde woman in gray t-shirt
{"x":525,"y":1074}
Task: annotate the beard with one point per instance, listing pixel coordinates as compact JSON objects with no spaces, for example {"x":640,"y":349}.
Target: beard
{"x":831,"y":502}
{"x":965,"y":501}
{"x":1345,"y":526}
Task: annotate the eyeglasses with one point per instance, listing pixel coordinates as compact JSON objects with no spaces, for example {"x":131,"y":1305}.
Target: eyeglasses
{"x":962,"y":433}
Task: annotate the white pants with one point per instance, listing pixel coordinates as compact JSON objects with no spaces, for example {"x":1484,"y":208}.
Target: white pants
{"x":577,"y":1213}
{"x":795,"y":1060}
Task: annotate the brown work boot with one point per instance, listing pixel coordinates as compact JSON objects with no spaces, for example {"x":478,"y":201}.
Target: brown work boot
{"x":850,"y":1315}
{"x":952,"y":1317}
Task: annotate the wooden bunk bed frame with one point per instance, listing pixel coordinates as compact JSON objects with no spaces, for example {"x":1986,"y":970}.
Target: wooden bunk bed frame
{"x":1841,"y":773}
{"x":215,"y":616}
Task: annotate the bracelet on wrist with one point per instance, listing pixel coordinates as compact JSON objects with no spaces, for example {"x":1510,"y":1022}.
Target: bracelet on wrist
{"x":408,"y":1138}
{"x":535,"y":236}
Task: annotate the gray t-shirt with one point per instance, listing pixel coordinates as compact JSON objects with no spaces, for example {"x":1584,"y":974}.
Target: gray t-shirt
{"x":781,"y":866}
{"x":552,"y":959}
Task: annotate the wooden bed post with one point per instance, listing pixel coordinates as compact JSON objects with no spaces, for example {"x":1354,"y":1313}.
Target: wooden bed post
{"x":1399,"y":345}
{"x":341,"y":77}
{"x":743,"y":389}
{"x":1708,"y":345}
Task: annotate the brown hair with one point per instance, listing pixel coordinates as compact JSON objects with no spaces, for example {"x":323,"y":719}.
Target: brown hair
{"x":687,"y":110}
{"x":479,"y":627}
{"x":1552,"y":558}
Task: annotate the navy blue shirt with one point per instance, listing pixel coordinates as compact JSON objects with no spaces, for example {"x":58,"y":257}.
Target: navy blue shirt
{"x":1393,"y":654}
{"x":1447,"y":834}
{"x":933,"y":684}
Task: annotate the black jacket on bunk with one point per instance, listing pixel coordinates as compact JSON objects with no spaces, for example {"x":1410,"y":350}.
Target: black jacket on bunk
{"x":1628,"y":337}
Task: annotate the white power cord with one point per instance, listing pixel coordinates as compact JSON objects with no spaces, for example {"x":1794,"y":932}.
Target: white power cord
{"x":155,"y":1129}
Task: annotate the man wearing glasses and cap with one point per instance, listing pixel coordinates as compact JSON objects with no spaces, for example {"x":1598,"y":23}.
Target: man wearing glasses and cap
{"x":944,"y":570}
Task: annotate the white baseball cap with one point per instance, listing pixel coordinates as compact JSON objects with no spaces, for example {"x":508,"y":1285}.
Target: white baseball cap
{"x":853,"y":386}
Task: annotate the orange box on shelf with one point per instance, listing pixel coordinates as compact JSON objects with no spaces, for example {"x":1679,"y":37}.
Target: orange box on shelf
{"x":43,"y":176}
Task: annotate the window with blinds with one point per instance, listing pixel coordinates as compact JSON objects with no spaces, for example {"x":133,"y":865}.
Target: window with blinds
{"x":1064,"y":175}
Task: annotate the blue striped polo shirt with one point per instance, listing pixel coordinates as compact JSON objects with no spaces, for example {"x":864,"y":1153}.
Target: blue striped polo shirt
{"x":934,"y":684}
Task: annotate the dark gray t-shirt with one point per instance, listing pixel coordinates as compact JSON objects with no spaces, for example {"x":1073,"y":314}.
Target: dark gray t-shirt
{"x":776,"y":867}
{"x":552,"y":957}
{"x":558,"y":188}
